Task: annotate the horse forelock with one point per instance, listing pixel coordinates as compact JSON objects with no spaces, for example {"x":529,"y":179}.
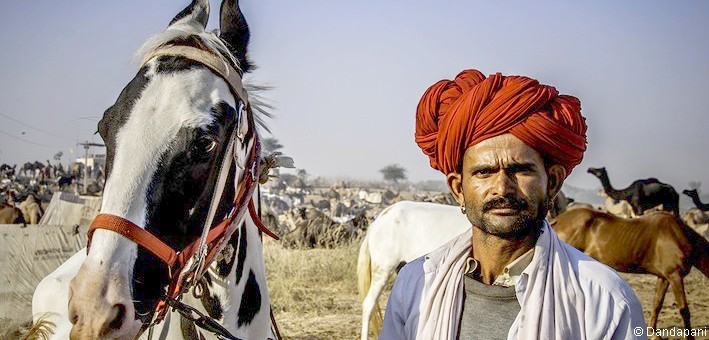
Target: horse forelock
{"x":184,"y":30}
{"x":191,"y":33}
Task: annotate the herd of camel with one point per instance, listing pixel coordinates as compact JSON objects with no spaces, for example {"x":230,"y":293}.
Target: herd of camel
{"x":654,"y":240}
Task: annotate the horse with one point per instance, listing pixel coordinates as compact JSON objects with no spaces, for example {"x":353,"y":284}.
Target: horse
{"x":658,"y":243}
{"x":182,"y":142}
{"x":401,"y":233}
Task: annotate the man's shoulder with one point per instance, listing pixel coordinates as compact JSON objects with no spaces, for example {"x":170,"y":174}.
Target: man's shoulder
{"x":412,"y":271}
{"x":597,"y":278}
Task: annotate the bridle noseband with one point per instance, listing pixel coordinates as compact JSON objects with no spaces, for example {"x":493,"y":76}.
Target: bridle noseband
{"x":186,"y":266}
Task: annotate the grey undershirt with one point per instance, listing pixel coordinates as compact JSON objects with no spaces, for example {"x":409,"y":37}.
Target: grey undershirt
{"x":488,"y":311}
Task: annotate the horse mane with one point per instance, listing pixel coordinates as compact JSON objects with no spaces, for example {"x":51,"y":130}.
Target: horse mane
{"x":184,"y":31}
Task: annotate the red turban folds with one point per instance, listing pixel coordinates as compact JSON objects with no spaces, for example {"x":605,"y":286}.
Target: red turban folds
{"x":454,"y":115}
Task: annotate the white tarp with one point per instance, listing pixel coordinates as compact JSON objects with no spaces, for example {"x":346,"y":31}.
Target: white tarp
{"x":69,"y":209}
{"x":27,"y":255}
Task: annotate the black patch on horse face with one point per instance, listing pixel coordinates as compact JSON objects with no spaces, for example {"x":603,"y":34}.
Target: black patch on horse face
{"x":212,"y":305}
{"x":189,"y":330}
{"x":224,"y":266}
{"x":241,"y":254}
{"x":178,"y":197}
{"x":116,"y":116}
{"x":169,"y":64}
{"x":250,"y":301}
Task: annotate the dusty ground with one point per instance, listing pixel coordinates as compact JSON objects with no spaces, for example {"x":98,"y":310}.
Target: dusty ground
{"x":697,"y":291}
{"x":314,"y":293}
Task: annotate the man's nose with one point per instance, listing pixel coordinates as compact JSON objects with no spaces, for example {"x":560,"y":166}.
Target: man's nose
{"x":504,"y":184}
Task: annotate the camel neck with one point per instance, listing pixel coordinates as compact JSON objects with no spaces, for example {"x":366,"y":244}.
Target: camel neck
{"x":698,"y":202}
{"x":607,"y":186}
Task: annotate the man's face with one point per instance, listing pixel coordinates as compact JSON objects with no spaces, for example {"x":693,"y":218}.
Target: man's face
{"x":504,"y":186}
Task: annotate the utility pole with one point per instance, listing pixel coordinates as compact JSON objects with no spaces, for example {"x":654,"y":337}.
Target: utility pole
{"x":86,"y":146}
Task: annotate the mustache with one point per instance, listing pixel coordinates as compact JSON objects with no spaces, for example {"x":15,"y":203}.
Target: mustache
{"x":505,"y":203}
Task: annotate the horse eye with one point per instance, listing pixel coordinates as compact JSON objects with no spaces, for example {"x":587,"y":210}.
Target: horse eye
{"x":211,"y":146}
{"x":206,"y":144}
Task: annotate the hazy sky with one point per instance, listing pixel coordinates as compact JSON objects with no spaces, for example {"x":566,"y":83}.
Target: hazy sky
{"x":348,"y":75}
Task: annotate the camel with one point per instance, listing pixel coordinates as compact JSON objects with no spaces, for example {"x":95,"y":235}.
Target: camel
{"x":697,"y":220}
{"x":643,"y":194}
{"x":695,"y":198}
{"x":31,"y":209}
{"x":695,"y":217}
{"x":582,"y":205}
{"x":10,"y":215}
{"x":620,"y":208}
{"x":658,"y":243}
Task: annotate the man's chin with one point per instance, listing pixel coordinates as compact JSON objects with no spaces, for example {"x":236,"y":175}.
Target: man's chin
{"x":508,"y":225}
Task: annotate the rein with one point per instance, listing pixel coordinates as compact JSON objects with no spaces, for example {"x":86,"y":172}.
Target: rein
{"x":186,"y":266}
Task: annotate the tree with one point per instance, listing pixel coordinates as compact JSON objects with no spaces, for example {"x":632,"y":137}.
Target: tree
{"x":695,"y":185}
{"x":302,"y":173}
{"x":393,"y":173}
{"x":270,"y":145}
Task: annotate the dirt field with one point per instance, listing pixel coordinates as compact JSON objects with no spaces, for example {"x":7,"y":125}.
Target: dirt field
{"x":314,"y":293}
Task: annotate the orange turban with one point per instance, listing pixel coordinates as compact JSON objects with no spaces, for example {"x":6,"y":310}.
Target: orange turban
{"x":454,"y":115}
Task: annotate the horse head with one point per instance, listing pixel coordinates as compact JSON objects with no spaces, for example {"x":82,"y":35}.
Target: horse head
{"x":166,"y":137}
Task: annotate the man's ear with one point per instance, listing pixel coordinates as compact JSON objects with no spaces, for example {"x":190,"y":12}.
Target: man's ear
{"x":455,"y":184}
{"x":556,"y":175}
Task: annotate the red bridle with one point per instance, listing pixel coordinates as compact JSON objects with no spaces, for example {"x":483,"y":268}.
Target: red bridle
{"x":181,"y":277}
{"x":216,"y":238}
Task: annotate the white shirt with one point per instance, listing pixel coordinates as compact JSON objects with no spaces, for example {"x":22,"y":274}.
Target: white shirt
{"x":563,"y":294}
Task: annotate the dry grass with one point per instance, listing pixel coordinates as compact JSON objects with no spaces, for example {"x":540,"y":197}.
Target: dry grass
{"x":314,"y":291}
{"x":10,"y":329}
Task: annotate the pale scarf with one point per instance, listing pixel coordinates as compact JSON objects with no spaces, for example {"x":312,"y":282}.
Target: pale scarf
{"x":548,"y":291}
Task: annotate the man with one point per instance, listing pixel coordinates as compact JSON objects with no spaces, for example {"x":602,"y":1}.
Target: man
{"x":506,"y":144}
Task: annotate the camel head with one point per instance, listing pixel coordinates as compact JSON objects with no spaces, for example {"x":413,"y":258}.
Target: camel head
{"x":691,"y":193}
{"x":598,"y":172}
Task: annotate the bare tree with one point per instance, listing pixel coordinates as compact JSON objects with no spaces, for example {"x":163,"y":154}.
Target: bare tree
{"x":270,"y":145}
{"x":695,"y":185}
{"x":393,"y":173}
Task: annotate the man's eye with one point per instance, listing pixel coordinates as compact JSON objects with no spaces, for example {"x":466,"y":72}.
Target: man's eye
{"x":483,"y":173}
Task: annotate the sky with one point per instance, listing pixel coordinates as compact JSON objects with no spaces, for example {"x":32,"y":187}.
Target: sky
{"x":347,"y":75}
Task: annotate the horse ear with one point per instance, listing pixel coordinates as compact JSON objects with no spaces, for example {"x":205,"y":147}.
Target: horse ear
{"x":197,"y":13}
{"x":235,"y":31}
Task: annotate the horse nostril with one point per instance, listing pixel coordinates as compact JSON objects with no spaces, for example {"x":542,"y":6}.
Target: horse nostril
{"x":115,"y":323}
{"x":73,"y":318}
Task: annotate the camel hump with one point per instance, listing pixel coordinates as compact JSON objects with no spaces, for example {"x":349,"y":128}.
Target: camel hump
{"x":576,"y":217}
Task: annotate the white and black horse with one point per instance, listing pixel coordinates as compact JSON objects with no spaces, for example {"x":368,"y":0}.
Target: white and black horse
{"x":166,"y":137}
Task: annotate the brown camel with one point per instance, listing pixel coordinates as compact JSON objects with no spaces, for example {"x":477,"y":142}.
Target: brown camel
{"x":31,"y":209}
{"x":10,"y":215}
{"x":658,"y":243}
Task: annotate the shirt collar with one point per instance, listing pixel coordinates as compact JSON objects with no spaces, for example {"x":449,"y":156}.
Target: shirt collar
{"x":510,"y":273}
{"x":514,"y":269}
